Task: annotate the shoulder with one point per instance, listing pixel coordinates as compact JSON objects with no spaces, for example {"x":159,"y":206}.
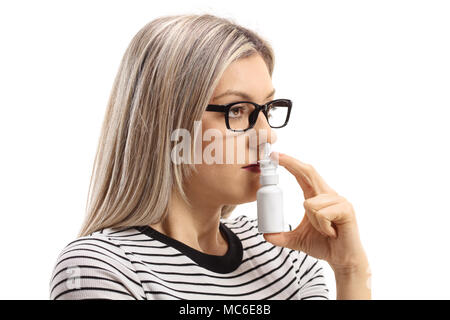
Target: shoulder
{"x":95,"y":247}
{"x":94,"y":266}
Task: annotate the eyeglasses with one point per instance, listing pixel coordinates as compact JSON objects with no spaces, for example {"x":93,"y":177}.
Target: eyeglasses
{"x":241,"y":116}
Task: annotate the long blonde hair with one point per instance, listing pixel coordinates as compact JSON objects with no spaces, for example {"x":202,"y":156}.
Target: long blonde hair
{"x":165,"y":81}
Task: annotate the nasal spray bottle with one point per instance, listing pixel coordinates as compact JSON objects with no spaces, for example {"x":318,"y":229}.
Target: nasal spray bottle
{"x":269,"y":197}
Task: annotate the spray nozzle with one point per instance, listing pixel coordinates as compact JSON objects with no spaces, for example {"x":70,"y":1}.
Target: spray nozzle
{"x":266,"y":160}
{"x":266,"y":151}
{"x":267,"y":167}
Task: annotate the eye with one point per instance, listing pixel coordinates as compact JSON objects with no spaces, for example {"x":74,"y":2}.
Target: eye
{"x":238,"y":111}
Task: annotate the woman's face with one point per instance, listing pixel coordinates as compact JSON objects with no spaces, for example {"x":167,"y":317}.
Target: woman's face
{"x":228,"y":182}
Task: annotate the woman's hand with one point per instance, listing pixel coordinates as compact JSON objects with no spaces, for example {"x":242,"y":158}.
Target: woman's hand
{"x":328,"y":230}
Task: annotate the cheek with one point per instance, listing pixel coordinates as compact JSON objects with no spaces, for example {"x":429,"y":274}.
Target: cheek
{"x":220,"y":175}
{"x":226,"y":182}
{"x":229,"y":184}
{"x":229,"y":150}
{"x":220,"y":145}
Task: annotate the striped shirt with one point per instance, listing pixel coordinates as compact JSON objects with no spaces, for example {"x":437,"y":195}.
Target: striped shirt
{"x":142,"y":263}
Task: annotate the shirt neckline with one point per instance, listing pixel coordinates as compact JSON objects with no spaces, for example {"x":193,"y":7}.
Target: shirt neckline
{"x":219,"y":264}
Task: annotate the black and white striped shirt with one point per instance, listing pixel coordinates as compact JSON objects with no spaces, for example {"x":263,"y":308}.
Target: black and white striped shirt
{"x":142,"y":263}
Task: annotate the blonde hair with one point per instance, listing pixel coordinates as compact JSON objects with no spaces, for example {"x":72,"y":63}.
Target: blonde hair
{"x":165,"y":80}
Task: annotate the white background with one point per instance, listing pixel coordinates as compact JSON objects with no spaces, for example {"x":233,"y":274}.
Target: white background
{"x":370,"y":83}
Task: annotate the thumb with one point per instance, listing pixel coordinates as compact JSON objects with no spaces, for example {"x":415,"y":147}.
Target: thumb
{"x":281,"y":239}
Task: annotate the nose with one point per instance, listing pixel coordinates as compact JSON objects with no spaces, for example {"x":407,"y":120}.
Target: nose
{"x":264,"y":132}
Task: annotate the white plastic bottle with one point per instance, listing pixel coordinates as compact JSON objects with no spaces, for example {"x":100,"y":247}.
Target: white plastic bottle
{"x":269,"y":197}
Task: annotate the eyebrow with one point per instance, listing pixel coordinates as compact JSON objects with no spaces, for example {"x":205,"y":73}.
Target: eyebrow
{"x":240,"y":93}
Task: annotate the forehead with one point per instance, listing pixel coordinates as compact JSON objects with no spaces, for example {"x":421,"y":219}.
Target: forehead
{"x":249,"y":75}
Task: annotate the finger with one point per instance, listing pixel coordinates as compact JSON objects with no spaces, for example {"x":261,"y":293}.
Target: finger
{"x":309,"y":179}
{"x":323,"y":200}
{"x":314,"y":205}
{"x":340,"y":213}
{"x":326,"y":227}
{"x":281,"y":239}
{"x":311,"y":215}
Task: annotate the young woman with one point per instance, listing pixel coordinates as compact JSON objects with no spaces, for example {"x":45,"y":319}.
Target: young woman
{"x":157,"y":228}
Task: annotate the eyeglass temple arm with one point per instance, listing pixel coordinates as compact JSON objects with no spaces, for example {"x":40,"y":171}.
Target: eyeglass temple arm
{"x":215,"y":107}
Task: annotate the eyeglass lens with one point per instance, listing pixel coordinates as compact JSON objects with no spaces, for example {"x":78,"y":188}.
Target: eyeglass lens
{"x":242,"y":115}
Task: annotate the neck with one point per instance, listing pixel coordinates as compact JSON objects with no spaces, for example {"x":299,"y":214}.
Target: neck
{"x":196,"y":226}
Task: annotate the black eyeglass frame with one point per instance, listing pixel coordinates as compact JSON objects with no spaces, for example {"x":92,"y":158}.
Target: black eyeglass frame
{"x":253,"y":117}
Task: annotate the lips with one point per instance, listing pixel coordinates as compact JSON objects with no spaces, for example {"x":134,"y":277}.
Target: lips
{"x":254,"y":167}
{"x":251,"y":165}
